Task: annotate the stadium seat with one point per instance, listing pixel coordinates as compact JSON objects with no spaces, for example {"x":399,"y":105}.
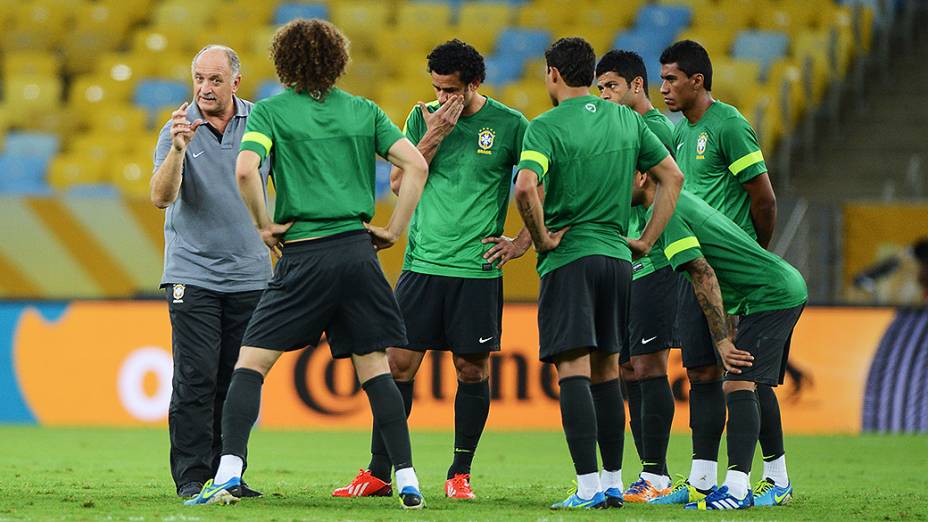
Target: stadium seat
{"x":35,"y":26}
{"x":410,"y":44}
{"x":503,"y":69}
{"x":546,"y":15}
{"x":23,"y":175}
{"x":27,"y":95}
{"x":101,"y":146}
{"x":124,"y":67}
{"x":733,"y":80}
{"x":183,"y":13}
{"x":261,"y":38}
{"x":360,"y":21}
{"x":156,"y":42}
{"x":156,"y":94}
{"x":728,"y":14}
{"x":131,"y":175}
{"x":527,"y":96}
{"x":362,"y":77}
{"x":785,"y":82}
{"x":717,"y":41}
{"x":98,"y":28}
{"x":247,"y":13}
{"x":91,"y":93}
{"x":29,"y":62}
{"x":33,"y":144}
{"x":435,"y":16}
{"x":488,"y":16}
{"x":482,"y":39}
{"x":522,"y":43}
{"x":226,"y":34}
{"x":119,"y":119}
{"x":68,"y":170}
{"x":606,"y":14}
{"x":382,"y":179}
{"x":289,"y":11}
{"x":763,"y":47}
{"x":600,"y":38}
{"x":267,"y":89}
{"x":811,"y":51}
{"x":664,"y":18}
{"x":649,"y":44}
{"x":696,"y":6}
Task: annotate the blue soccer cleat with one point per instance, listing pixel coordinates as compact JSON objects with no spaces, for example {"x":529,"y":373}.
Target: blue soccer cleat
{"x":614,"y":498}
{"x":767,"y":493}
{"x":575,"y":502}
{"x":681,"y":492}
{"x":216,"y":493}
{"x":411,"y":498}
{"x":721,"y":499}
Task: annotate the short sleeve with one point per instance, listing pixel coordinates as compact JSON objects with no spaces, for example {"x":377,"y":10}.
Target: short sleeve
{"x":521,"y":126}
{"x":652,"y":151}
{"x":385,"y":132}
{"x":742,"y":153}
{"x":414,"y":128}
{"x":536,"y":150}
{"x":163,"y":147}
{"x":259,"y":131}
{"x":679,"y":242}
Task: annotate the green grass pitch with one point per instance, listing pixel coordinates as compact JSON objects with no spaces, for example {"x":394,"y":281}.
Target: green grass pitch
{"x":122,"y":474}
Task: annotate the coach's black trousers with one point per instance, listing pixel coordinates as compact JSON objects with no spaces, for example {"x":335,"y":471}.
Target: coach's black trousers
{"x":207,"y":331}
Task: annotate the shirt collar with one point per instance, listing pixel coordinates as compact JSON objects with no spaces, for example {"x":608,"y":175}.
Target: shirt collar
{"x":241,"y":110}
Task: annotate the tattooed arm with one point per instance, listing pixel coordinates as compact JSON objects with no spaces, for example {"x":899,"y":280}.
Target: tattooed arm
{"x":709,"y":295}
{"x":529,"y":200}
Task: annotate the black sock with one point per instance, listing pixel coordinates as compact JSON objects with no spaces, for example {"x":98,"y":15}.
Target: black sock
{"x":707,"y":419}
{"x":240,"y":411}
{"x":471,"y":407}
{"x":634,"y":414}
{"x":656,"y":417}
{"x":743,"y":429}
{"x":771,"y":426}
{"x":578,"y":416}
{"x":610,"y":422}
{"x":380,"y":465}
{"x":387,"y":406}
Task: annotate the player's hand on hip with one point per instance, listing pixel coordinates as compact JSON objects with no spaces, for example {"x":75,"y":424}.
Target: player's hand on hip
{"x":504,"y":249}
{"x":550,"y":240}
{"x":638,"y":247}
{"x":273,"y":236}
{"x":181,"y":129}
{"x":733,"y":359}
{"x":381,"y":237}
{"x":445,"y":118}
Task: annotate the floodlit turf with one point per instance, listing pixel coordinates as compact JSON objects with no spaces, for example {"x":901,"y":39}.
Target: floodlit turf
{"x":110,"y":474}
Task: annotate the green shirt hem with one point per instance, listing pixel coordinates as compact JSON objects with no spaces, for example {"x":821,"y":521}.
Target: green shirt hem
{"x":427,"y":269}
{"x":545,"y":267}
{"x":308,"y":229}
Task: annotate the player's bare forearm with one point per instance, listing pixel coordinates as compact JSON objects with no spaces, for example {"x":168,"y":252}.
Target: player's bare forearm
{"x":428,"y":147}
{"x":669,"y":183}
{"x":165,"y":182}
{"x":249,"y":186}
{"x":763,"y":207}
{"x":407,"y":158}
{"x":709,"y":295}
{"x":524,"y":239}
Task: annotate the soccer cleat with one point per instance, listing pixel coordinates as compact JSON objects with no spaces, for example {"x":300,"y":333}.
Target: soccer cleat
{"x":216,"y":493}
{"x":189,"y":490}
{"x":411,"y":498}
{"x":458,"y":487}
{"x":721,"y":499}
{"x":364,"y":485}
{"x":767,"y":493}
{"x":681,"y":492}
{"x":642,"y":491}
{"x":575,"y":502}
{"x":614,"y":498}
{"x":243,"y":491}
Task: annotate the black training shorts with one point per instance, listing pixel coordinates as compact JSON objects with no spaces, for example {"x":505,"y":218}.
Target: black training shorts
{"x":767,"y":336}
{"x":653,"y":313}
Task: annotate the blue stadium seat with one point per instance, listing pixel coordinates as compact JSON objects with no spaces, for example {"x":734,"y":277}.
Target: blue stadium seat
{"x":764,"y":47}
{"x":382,"y":179}
{"x":503,"y":69}
{"x":35,"y":144}
{"x":267,"y":89}
{"x":664,"y":17}
{"x":94,"y":190}
{"x":523,"y":42}
{"x":154,"y":95}
{"x":287,"y":12}
{"x":649,"y":44}
{"x":23,"y":175}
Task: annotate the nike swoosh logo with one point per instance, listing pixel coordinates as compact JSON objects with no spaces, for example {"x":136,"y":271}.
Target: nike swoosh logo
{"x":198,"y":154}
{"x":482,"y":340}
{"x":779,"y":498}
{"x":646,"y":341}
{"x":209,"y":494}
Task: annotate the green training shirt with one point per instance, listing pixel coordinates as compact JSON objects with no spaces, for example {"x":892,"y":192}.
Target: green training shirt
{"x":751,"y":279}
{"x":662,"y":127}
{"x":322,"y":158}
{"x":467,"y":193}
{"x":717,"y":154}
{"x":586,"y":151}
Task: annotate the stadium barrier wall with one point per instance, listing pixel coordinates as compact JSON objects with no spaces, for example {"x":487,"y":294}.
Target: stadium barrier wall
{"x":108,"y":363}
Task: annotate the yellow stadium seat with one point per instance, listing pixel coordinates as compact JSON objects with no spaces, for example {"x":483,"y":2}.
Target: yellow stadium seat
{"x":138,"y":10}
{"x":607,"y":14}
{"x":784,"y":79}
{"x":256,"y":68}
{"x":600,"y":38}
{"x":657,"y":99}
{"x":361,"y":15}
{"x":102,"y":146}
{"x":91,"y":93}
{"x":156,"y":42}
{"x":123,"y":120}
{"x":810,"y":48}
{"x":27,"y":95}
{"x":30,"y":62}
{"x":413,"y":68}
{"x":247,"y":13}
{"x":82,"y":47}
{"x":528,"y":97}
{"x":717,"y":41}
{"x":260,"y":40}
{"x":482,"y":39}
{"x":163,"y":116}
{"x":413,"y":43}
{"x":491,"y":16}
{"x":695,"y":5}
{"x":804,"y":13}
{"x":534,"y":70}
{"x":362,"y":78}
{"x":737,"y":14}
{"x":773,"y":17}
{"x":175,"y":66}
{"x":435,"y":16}
{"x":132,"y":175}
{"x":403,"y":94}
{"x":34,"y":26}
{"x":68,"y":170}
{"x":228,"y":35}
{"x":552,"y":15}
{"x":112,"y":20}
{"x":185,"y":13}
{"x":732,"y":79}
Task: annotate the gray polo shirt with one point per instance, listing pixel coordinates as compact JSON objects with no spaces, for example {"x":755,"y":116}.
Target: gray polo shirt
{"x":210,"y":240}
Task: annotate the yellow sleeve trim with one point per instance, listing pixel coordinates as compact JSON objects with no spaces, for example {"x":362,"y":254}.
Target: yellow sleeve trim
{"x":260,"y":139}
{"x":537,"y":157}
{"x":746,"y":161}
{"x":680,"y":245}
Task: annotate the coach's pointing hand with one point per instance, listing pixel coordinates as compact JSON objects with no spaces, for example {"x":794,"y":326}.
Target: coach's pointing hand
{"x":733,"y":359}
{"x":181,"y":129}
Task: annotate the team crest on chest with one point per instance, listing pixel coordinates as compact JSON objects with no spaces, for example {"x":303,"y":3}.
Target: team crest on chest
{"x":701,"y":142}
{"x":485,"y":141}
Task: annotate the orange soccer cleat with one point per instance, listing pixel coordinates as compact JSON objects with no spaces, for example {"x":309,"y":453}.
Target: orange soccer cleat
{"x":642,"y":491}
{"x":364,"y":485}
{"x":458,"y":487}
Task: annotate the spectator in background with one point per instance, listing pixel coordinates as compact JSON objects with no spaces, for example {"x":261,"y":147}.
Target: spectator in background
{"x":215,"y":264}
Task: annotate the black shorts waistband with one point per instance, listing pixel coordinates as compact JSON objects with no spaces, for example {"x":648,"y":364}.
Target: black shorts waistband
{"x":350,"y":237}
